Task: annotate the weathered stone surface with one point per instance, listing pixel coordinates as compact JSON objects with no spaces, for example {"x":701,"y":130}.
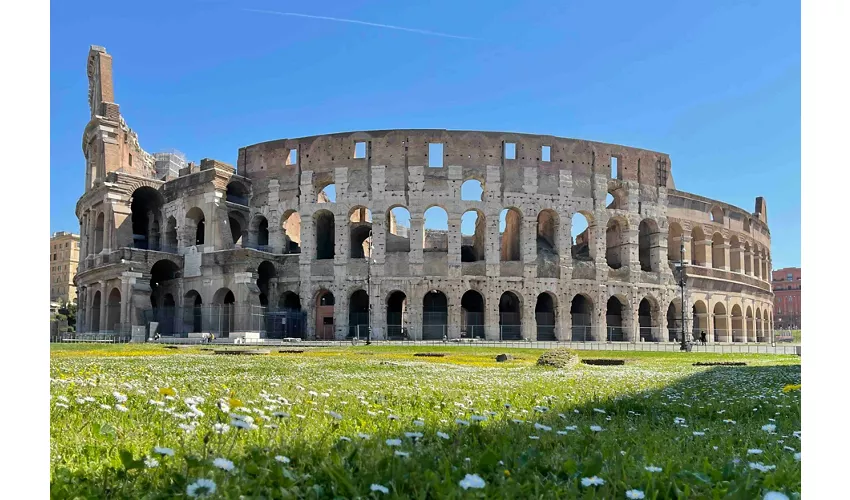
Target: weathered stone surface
{"x":504,"y":357}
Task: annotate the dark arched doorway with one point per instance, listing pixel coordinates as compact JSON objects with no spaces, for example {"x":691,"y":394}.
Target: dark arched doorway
{"x":397,"y":316}
{"x":544,"y":313}
{"x":325,"y":329}
{"x":435,"y":315}
{"x":510,"y":317}
{"x":472,"y":320}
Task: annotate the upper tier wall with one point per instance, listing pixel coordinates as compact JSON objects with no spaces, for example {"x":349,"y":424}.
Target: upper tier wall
{"x":402,"y":148}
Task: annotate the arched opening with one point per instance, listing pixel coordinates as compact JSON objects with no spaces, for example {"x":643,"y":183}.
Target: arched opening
{"x":435,"y":315}
{"x":647,"y":320}
{"x":223,"y":313}
{"x":358,"y":315}
{"x":735,"y":255}
{"x":98,"y":233}
{"x":718,"y":252}
{"x":327,"y":194}
{"x":544,"y":314}
{"x":192,"y":307}
{"x":435,"y":237}
{"x":472,"y":315}
{"x":746,"y":225}
{"x":471,"y":190}
{"x":238,"y":229}
{"x":759,"y":326}
{"x":674,"y":320}
{"x":510,"y":317}
{"x":751,"y":326}
{"x":288,"y":320}
{"x":194,"y":227}
{"x":237,"y":193}
{"x":360,"y":232}
{"x":259,"y":233}
{"x":580,"y":233}
{"x":113,"y":311}
{"x":698,"y":256}
{"x":581,"y":314}
{"x":738,"y":333}
{"x":648,"y":245}
{"x":548,"y":261}
{"x":717,"y":215}
{"x":748,"y":259}
{"x":170,"y":235}
{"x":397,"y":316}
{"x":510,"y":222}
{"x":616,"y":199}
{"x":146,"y":207}
{"x":473,"y":234}
{"x":325,"y":235}
{"x":167,"y":314}
{"x":325,"y":329}
{"x":757,"y":261}
{"x":674,"y":242}
{"x":398,"y":237}
{"x":162,"y":274}
{"x":700,"y":319}
{"x":615,"y":244}
{"x":291,"y":232}
{"x":721,"y":330}
{"x":614,"y":320}
{"x":95,"y":312}
{"x":266,"y":272}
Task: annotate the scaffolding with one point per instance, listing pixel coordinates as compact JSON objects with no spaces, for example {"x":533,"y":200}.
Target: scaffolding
{"x":168,"y":164}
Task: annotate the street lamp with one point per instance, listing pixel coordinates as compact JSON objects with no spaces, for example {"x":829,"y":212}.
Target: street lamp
{"x":369,"y":291}
{"x":682,"y":283}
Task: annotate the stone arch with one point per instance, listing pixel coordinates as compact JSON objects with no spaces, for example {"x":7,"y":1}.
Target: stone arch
{"x":325,"y":302}
{"x":616,"y":244}
{"x":757,"y":260}
{"x":358,"y":314}
{"x":648,"y":245}
{"x":397,"y":311}
{"x":266,"y":272}
{"x":546,"y":316}
{"x":748,"y":259}
{"x":716,"y":214}
{"x":360,"y":232}
{"x":194,"y":226}
{"x":581,"y":313}
{"x":472,"y":190}
{"x":237,"y":192}
{"x":616,"y":315}
{"x":751,"y":326}
{"x":674,"y":242}
{"x":325,"y":234}
{"x":738,"y":334}
{"x":163,"y":272}
{"x":721,"y":330}
{"x":510,"y":316}
{"x":759,"y":325}
{"x":547,"y":235}
{"x":674,"y":320}
{"x":735,"y":254}
{"x":435,"y":315}
{"x":474,"y":242}
{"x":192,"y":312}
{"x":582,"y":248}
{"x":327,"y":193}
{"x":145,"y":212}
{"x":435,"y":234}
{"x":113,"y":311}
{"x":291,"y":232}
{"x":699,"y":320}
{"x":698,"y":254}
{"x":259,"y":232}
{"x":238,"y":228}
{"x":510,"y":227}
{"x":223,"y":313}
{"x":649,"y":319}
{"x":746,"y":224}
{"x":171,"y":239}
{"x":617,"y":199}
{"x":718,"y":251}
{"x":95,"y":313}
{"x":472,"y":314}
{"x":99,"y":230}
{"x":288,"y":321}
{"x":398,"y":229}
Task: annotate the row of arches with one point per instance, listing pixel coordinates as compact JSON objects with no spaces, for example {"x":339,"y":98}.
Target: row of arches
{"x":743,"y":256}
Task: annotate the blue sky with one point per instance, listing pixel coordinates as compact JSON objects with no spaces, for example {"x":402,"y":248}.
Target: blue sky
{"x":714,"y":84}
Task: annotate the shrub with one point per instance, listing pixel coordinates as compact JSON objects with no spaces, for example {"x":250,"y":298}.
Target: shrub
{"x":559,"y":358}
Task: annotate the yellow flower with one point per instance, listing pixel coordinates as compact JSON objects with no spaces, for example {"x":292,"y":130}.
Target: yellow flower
{"x":167,"y":391}
{"x":507,"y":473}
{"x":234,"y":403}
{"x":789,"y":388}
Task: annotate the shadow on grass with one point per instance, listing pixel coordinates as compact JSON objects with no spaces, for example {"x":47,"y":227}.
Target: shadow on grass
{"x":639,"y":430}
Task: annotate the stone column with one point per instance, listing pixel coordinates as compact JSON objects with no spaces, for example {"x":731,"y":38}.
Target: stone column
{"x":454,"y":245}
{"x":529,"y":318}
{"x":492,"y":255}
{"x":212,"y":221}
{"x":104,"y":299}
{"x":379,"y":238}
{"x":725,"y":248}
{"x":82,"y":309}
{"x":564,"y":243}
{"x":417,"y":236}
{"x":528,"y":247}
{"x":564,"y":320}
{"x":491,"y":327}
{"x":706,"y":246}
{"x":632,"y":251}
{"x":735,"y":254}
{"x":455,"y":312}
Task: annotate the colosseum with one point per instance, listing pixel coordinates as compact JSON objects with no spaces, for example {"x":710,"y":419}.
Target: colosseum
{"x":409,"y":234}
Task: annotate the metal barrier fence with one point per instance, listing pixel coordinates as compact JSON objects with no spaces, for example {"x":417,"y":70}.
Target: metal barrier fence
{"x":218,"y":319}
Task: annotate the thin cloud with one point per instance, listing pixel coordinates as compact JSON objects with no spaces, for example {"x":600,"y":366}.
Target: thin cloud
{"x":364,"y":23}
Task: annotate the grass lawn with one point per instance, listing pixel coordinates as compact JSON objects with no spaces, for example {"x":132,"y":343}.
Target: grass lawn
{"x":142,"y":421}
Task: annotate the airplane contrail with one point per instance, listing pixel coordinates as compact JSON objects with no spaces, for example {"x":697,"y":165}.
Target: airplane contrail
{"x":354,"y":21}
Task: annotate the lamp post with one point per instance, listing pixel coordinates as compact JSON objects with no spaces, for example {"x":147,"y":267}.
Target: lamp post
{"x":682,"y":283}
{"x":369,"y":291}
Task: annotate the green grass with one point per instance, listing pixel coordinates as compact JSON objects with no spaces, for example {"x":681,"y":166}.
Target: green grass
{"x":99,"y":452}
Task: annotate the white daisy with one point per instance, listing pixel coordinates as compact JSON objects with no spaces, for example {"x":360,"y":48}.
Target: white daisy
{"x":282,"y":459}
{"x":363,"y":436}
{"x":596,"y":428}
{"x":634,"y":494}
{"x":442,"y":435}
{"x":754,"y":451}
{"x":699,"y":433}
{"x":775,"y":495}
{"x":542,"y":427}
{"x":378,"y":487}
{"x":414,"y":435}
{"x":221,"y":428}
{"x":462,"y":422}
{"x":393,"y":442}
{"x":761,"y":467}
{"x":335,"y":415}
{"x":201,"y":488}
{"x":163,"y":451}
{"x":472,"y":481}
{"x":223,"y":464}
{"x":768,"y":428}
{"x":533,"y":437}
{"x":122,"y":408}
{"x":652,"y":468}
{"x":119,"y":398}
{"x":419,"y":423}
{"x":592,"y":481}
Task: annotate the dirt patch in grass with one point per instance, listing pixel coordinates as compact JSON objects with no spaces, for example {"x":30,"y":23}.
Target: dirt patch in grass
{"x":290,"y":351}
{"x":720,"y":363}
{"x":604,"y":362}
{"x":430,"y":354}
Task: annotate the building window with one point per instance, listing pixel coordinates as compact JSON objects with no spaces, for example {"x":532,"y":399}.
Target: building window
{"x":789,"y":277}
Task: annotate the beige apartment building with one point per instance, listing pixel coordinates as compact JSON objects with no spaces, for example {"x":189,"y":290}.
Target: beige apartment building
{"x":64,"y":256}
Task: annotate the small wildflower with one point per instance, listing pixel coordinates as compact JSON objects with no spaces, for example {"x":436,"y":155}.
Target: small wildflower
{"x":754,"y":451}
{"x":592,"y":481}
{"x":221,"y":428}
{"x":419,"y":423}
{"x":634,"y":494}
{"x":122,"y":408}
{"x":402,"y":454}
{"x":151,"y":462}
{"x":442,"y":435}
{"x":378,"y":487}
{"x":335,"y":415}
{"x":797,"y":456}
{"x":413,"y":435}
{"x":363,"y":436}
{"x":542,"y":427}
{"x":282,"y":459}
{"x":596,"y":428}
{"x":768,"y":428}
{"x":167,"y":391}
{"x":393,"y":442}
{"x":472,"y":481}
{"x":345,"y":438}
{"x":652,"y":468}
{"x":201,"y":488}
{"x":775,"y":495}
{"x":223,"y":464}
{"x":462,"y":422}
{"x":699,"y":433}
{"x":761,"y":467}
{"x":163,"y":451}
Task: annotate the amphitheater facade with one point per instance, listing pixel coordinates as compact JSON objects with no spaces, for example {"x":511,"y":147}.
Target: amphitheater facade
{"x":417,"y":234}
